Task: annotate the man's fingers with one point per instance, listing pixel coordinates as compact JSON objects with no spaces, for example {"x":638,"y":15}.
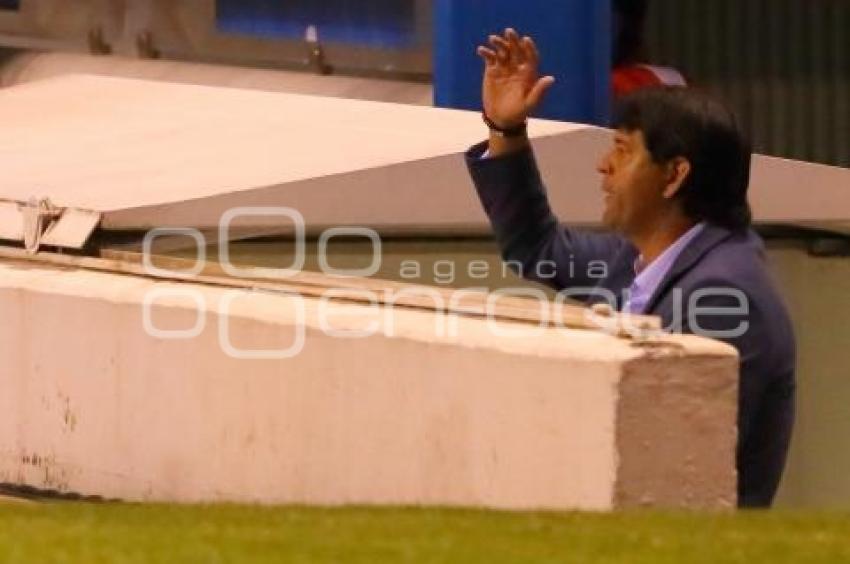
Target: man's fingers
{"x":531,"y":51}
{"x":501,"y":47}
{"x":517,"y":53}
{"x":510,"y":48}
{"x":539,"y":89}
{"x":488,"y":55}
{"x":498,"y":42}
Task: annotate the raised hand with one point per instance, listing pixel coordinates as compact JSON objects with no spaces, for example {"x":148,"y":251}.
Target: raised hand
{"x":511,"y":87}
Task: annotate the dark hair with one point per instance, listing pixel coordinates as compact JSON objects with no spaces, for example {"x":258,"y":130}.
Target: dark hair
{"x":683,"y":122}
{"x":630,"y":20}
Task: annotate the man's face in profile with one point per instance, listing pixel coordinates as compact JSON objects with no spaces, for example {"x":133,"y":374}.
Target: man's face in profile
{"x":632,"y":183}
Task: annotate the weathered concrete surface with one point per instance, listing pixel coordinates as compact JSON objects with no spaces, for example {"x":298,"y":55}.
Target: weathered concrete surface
{"x":552,"y":418}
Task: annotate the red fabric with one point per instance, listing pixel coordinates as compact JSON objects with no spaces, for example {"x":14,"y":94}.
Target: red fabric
{"x":628,"y":79}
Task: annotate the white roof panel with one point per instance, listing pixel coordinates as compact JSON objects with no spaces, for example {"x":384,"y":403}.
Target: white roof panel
{"x":152,"y":154}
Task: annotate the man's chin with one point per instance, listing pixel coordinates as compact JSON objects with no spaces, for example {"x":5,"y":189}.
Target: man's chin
{"x":609,"y":221}
{"x":613,"y":223}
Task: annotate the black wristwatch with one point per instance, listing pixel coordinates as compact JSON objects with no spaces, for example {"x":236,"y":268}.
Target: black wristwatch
{"x":509,"y":132}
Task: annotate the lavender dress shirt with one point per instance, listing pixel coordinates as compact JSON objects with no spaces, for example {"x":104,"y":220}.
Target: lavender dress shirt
{"x":650,"y":276}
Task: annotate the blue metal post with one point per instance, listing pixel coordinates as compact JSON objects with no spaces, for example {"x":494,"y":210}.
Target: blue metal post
{"x":574,"y":37}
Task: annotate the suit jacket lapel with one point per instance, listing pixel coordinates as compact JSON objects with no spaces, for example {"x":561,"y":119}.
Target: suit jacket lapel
{"x":707,"y":239}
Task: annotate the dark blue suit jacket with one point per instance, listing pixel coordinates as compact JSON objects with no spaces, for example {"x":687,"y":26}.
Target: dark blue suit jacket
{"x":515,"y":200}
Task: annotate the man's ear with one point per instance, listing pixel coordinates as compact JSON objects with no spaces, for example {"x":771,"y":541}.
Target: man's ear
{"x":678,"y":170}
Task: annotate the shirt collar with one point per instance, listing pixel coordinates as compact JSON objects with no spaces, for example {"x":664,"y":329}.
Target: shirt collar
{"x":649,"y":276}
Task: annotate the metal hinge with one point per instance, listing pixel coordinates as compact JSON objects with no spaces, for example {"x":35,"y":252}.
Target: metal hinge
{"x":38,"y":222}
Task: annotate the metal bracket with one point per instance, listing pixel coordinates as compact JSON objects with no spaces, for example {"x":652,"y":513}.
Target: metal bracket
{"x":39,"y":222}
{"x":316,"y":59}
{"x":38,"y":215}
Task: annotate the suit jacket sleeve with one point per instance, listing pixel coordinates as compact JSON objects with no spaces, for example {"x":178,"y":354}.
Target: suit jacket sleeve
{"x":514,"y":198}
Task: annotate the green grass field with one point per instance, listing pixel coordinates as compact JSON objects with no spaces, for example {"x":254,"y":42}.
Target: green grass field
{"x":103,"y":532}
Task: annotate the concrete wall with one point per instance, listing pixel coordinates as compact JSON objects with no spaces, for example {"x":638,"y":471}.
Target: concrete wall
{"x":495,"y":415}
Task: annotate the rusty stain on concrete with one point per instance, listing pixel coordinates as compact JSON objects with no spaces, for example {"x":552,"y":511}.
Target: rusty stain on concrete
{"x":53,"y":476}
{"x":68,"y":415}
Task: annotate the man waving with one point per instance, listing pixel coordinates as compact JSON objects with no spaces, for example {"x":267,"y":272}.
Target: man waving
{"x":679,"y":243}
